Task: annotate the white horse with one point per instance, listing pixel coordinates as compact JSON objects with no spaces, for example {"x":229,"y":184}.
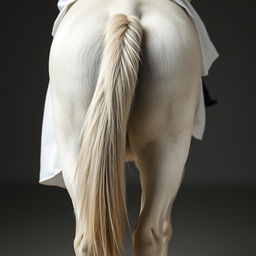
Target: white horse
{"x":125,"y":80}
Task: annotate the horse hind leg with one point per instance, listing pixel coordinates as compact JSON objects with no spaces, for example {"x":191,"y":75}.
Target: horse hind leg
{"x":161,"y":167}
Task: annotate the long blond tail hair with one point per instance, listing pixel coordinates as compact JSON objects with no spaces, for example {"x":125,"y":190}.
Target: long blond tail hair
{"x":100,"y":176}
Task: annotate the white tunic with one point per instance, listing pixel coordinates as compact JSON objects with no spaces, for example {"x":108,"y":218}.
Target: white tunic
{"x":50,"y":169}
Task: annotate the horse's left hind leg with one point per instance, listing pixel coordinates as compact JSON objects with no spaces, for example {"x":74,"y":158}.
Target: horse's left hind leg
{"x":161,"y":167}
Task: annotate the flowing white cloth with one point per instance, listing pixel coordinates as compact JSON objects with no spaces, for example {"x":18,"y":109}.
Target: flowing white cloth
{"x":50,"y":169}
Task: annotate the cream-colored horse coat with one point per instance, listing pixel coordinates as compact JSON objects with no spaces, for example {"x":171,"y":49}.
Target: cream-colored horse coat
{"x":109,"y":109}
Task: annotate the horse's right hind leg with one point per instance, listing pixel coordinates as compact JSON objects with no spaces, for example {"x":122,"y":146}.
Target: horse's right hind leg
{"x":161,"y":165}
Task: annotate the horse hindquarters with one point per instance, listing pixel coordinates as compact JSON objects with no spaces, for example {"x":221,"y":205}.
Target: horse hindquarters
{"x":160,"y":123}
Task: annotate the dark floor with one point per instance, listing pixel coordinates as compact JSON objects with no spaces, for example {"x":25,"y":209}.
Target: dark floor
{"x":39,"y":221}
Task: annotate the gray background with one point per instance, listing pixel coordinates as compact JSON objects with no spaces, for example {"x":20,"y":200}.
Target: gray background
{"x":214,"y":213}
{"x":224,"y":157}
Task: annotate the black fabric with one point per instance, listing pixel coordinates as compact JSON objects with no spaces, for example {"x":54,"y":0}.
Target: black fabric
{"x":208,"y":100}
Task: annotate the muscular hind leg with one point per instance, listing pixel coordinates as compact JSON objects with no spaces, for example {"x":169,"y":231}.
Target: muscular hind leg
{"x":161,"y":166}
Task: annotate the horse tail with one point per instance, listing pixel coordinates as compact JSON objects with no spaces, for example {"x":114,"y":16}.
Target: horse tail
{"x":101,"y":200}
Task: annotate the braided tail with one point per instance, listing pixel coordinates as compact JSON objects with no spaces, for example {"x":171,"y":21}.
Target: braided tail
{"x":100,"y":175}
